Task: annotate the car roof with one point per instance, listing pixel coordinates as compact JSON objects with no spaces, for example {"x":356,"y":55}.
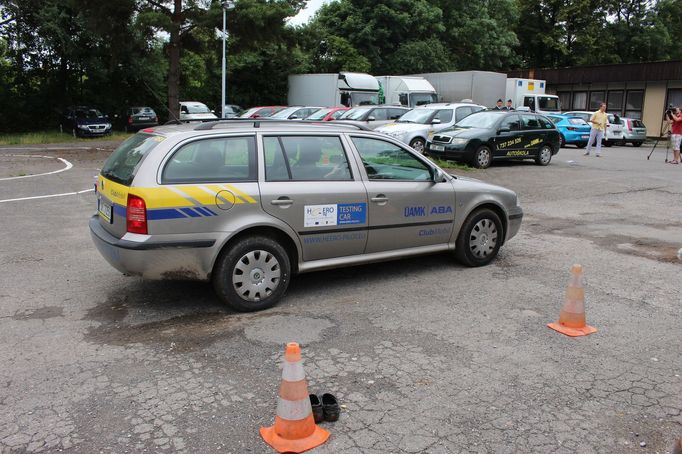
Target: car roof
{"x":447,"y":104}
{"x":253,"y":125}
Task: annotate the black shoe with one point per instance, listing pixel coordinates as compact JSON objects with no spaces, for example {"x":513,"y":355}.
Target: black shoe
{"x":330,"y":407}
{"x":318,"y":413}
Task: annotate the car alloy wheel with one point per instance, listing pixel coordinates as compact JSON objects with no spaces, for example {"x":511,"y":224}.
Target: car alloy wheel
{"x":544,"y":155}
{"x":418,"y":145}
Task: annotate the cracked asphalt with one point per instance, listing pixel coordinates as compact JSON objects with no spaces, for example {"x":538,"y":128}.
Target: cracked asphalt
{"x":425,"y":356}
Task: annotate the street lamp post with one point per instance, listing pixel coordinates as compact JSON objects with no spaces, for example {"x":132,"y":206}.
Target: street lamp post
{"x":227,"y":5}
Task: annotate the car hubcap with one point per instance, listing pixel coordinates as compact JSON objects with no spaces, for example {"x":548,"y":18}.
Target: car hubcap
{"x":483,"y":158}
{"x":256,"y":275}
{"x":545,"y":154}
{"x":418,"y":146}
{"x":483,"y":238}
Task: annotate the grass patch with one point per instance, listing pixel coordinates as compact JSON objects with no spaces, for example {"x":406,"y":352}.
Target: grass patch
{"x":451,"y":165}
{"x":46,"y":137}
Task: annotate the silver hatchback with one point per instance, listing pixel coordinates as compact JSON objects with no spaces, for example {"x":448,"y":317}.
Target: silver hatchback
{"x":246,"y":204}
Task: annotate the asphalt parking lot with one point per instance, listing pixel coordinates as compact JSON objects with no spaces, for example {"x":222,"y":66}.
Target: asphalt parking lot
{"x":425,"y":356}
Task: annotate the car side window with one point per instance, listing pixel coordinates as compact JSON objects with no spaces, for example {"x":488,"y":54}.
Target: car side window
{"x":394,"y":114}
{"x":305,"y":158}
{"x":462,"y":112}
{"x":444,"y":115}
{"x":530,"y":122}
{"x":213,"y":160}
{"x":511,"y":122}
{"x":386,"y":161}
{"x":337,"y":114}
{"x":545,"y":124}
{"x":379,"y":114}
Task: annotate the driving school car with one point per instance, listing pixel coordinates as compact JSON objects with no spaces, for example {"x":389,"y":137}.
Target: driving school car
{"x":246,"y":204}
{"x":485,"y":136}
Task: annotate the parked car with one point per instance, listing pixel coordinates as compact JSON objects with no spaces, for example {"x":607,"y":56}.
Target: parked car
{"x":232,"y":111}
{"x":421,"y":123}
{"x":491,"y":135}
{"x":295,"y":113}
{"x":373,"y":116}
{"x":327,"y":114}
{"x":614,"y":128}
{"x":573,"y":130}
{"x":84,"y":121}
{"x":634,"y":131}
{"x":196,"y":111}
{"x":263,"y":111}
{"x":137,"y":118}
{"x":248,"y":204}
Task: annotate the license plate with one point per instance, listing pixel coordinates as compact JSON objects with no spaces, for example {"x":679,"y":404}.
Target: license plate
{"x":105,"y":210}
{"x":437,"y":148}
{"x":143,"y":118}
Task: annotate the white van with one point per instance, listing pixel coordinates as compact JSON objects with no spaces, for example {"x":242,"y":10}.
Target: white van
{"x":195,"y":111}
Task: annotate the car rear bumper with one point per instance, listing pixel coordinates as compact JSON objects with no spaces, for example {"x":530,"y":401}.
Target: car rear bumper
{"x":150,"y":259}
{"x":639,"y":137}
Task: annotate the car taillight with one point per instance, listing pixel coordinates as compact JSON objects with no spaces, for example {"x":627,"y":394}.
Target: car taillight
{"x":136,"y":215}
{"x":629,"y":125}
{"x":571,"y":128}
{"x":130,"y":120}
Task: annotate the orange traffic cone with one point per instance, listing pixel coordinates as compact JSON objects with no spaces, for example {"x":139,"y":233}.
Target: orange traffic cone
{"x":295,"y":429}
{"x":677,"y":449}
{"x":572,"y":316}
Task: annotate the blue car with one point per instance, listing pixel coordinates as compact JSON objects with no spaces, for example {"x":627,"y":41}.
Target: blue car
{"x":573,"y":130}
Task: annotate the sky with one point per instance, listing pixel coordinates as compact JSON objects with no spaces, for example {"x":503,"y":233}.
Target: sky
{"x":307,"y":13}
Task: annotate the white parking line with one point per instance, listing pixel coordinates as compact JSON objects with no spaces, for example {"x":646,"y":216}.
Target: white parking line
{"x":67,"y":167}
{"x":47,"y":196}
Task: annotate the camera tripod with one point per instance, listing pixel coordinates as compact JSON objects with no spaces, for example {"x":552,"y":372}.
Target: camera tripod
{"x":665,"y":131}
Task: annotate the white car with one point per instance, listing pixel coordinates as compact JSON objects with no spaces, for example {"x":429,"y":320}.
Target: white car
{"x":418,"y":126}
{"x":614,"y":128}
{"x":195,"y":111}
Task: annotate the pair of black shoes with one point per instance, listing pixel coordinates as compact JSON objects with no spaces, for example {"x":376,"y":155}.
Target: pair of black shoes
{"x":326,"y":409}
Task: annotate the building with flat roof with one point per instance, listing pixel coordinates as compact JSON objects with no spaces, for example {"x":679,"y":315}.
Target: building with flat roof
{"x":633,"y":90}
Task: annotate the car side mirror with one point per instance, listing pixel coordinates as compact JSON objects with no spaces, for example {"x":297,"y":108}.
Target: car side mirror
{"x":370,"y":118}
{"x":438,"y":176}
{"x":436,"y":121}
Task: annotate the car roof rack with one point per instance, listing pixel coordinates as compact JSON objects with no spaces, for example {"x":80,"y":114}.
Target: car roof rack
{"x":258,"y":121}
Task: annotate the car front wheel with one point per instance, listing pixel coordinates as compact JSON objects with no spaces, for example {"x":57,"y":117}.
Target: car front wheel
{"x":480,"y":238}
{"x":544,"y":155}
{"x":418,"y":145}
{"x":637,"y":143}
{"x":482,"y":157}
{"x":252,"y":275}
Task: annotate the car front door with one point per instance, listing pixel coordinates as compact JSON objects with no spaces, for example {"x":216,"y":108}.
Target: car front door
{"x":533,"y":135}
{"x":509,"y":137}
{"x":311,"y":185}
{"x":406,"y":207}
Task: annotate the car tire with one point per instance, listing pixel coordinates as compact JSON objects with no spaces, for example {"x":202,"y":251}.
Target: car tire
{"x":581,"y":144}
{"x":482,"y":158}
{"x":419,"y":145}
{"x":637,"y":143}
{"x":562,"y":141}
{"x":544,"y":155}
{"x":480,"y":238}
{"x":252,"y":275}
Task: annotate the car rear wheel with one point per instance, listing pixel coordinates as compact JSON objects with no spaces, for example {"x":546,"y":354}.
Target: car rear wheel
{"x":252,"y":275}
{"x":418,"y":144}
{"x":482,"y":157}
{"x":480,"y":238}
{"x":637,"y":143}
{"x":544,"y":155}
{"x":608,"y":143}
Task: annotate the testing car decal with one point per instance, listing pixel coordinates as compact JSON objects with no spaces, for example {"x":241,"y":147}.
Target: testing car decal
{"x":334,"y":214}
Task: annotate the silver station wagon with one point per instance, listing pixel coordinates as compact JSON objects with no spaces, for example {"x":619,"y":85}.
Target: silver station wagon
{"x":247,"y":203}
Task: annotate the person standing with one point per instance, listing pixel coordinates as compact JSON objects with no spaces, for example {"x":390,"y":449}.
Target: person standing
{"x":599,"y":120}
{"x":499,"y":105}
{"x":676,"y":136}
{"x":509,"y":105}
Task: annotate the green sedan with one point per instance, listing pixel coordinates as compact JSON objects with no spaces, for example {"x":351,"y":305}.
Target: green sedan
{"x":483,"y":137}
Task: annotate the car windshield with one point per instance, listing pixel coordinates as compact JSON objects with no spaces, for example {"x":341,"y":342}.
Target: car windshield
{"x":285,"y":113}
{"x":355,"y":114}
{"x":88,"y":113}
{"x":319,"y":115}
{"x":197,"y":108}
{"x":142,"y":111}
{"x":421,"y":116}
{"x":483,"y":120}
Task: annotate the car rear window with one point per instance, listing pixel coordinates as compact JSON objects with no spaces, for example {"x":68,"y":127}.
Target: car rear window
{"x":123,"y":162}
{"x":638,"y":124}
{"x":577,"y":121}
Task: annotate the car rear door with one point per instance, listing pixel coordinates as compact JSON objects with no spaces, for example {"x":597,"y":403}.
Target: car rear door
{"x":406,"y":208}
{"x":533,"y":135}
{"x":310,"y":183}
{"x":509,"y":139}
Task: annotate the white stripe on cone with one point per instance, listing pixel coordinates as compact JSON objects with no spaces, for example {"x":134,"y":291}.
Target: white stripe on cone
{"x":293,"y":371}
{"x":294,"y":410}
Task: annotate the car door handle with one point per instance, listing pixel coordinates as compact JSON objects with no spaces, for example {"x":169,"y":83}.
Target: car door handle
{"x":282,"y":202}
{"x":379,"y":199}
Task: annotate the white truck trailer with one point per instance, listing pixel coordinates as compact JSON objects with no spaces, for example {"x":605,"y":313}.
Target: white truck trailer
{"x":530,"y":93}
{"x":330,"y":90}
{"x":481,"y":87}
{"x":408,"y":91}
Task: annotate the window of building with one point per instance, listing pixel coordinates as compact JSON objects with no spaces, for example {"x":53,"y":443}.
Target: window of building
{"x":615,"y":102}
{"x":580,"y":100}
{"x":596,"y":98}
{"x":674,"y":97}
{"x":634,"y":103}
{"x":565,"y":99}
